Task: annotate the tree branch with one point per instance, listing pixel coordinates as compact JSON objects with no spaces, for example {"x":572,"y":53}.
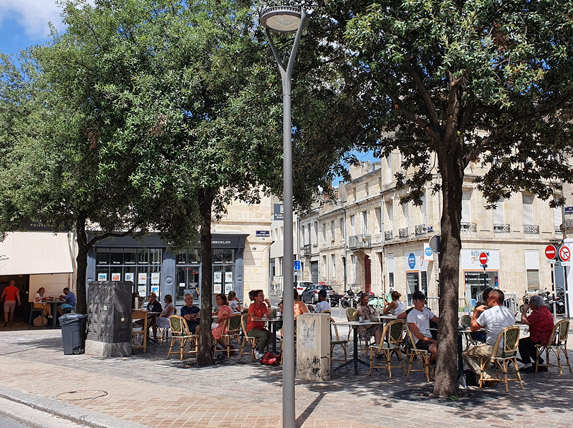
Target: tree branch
{"x":415,"y":73}
{"x":114,"y":234}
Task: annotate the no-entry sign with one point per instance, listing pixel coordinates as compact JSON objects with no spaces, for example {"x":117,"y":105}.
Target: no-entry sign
{"x":550,"y":252}
{"x":564,"y":253}
{"x":483,"y":258}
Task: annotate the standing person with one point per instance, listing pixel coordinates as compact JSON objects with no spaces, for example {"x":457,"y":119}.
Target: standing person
{"x":260,"y":308}
{"x":191,"y":314}
{"x":322,"y":304}
{"x":40,"y":302}
{"x":493,"y":318}
{"x":234,"y":302}
{"x":369,"y":313}
{"x":169,"y":309}
{"x":70,"y":301}
{"x":540,"y":323}
{"x":419,"y":319}
{"x":11,"y":297}
{"x":396,"y":307}
{"x":223,"y":313}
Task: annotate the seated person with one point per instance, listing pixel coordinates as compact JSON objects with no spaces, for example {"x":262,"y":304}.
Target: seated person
{"x":369,"y":313}
{"x":419,"y":318}
{"x":70,"y":301}
{"x":169,"y":309}
{"x":234,"y":302}
{"x":223,"y":313}
{"x":39,"y":302}
{"x":480,"y":335}
{"x":540,"y":323}
{"x":322,"y":304}
{"x":153,"y":305}
{"x":494,"y":317}
{"x":396,"y":307}
{"x":299,"y":307}
{"x":260,"y":308}
{"x":191,"y":314}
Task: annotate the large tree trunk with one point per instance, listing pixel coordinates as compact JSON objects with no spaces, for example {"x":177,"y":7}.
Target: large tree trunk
{"x":452,"y":172}
{"x":82,"y":265}
{"x":204,"y":357}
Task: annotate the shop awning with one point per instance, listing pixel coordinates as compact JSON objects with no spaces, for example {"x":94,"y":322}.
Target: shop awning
{"x":25,"y":253}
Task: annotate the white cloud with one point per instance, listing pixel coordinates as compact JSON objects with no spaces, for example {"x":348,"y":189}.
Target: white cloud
{"x":32,"y":15}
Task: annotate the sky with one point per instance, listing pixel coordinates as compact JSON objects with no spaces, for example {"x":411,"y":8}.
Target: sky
{"x":24,"y":23}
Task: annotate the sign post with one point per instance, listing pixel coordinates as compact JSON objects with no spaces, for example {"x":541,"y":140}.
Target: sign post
{"x":551,"y":253}
{"x":483,"y":261}
{"x":565,"y":256}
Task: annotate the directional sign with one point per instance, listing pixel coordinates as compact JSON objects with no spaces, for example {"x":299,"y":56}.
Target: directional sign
{"x":550,"y":252}
{"x":564,"y":253}
{"x":483,"y":258}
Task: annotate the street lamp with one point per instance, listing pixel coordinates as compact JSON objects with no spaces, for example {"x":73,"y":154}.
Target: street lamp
{"x":286,"y":19}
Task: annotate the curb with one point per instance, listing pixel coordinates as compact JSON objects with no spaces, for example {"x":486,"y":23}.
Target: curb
{"x":64,"y":410}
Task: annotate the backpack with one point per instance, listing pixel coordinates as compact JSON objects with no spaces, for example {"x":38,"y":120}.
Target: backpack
{"x":40,"y":321}
{"x":271,"y":359}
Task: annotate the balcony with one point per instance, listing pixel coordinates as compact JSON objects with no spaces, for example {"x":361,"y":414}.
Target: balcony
{"x":306,"y":251}
{"x":403,"y":233}
{"x":359,"y":241}
{"x":421,"y":229}
{"x":531,"y":229}
{"x":501,"y":228}
{"x":468,"y":227}
{"x":388,"y":236}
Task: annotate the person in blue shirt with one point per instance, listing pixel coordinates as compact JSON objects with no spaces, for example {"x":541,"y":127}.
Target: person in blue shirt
{"x":70,"y":301}
{"x":191,"y":314}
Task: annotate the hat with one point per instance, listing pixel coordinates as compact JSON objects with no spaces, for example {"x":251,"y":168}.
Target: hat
{"x":322,"y":293}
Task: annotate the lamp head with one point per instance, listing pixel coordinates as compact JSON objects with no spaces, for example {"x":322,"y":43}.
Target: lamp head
{"x":284,"y":19}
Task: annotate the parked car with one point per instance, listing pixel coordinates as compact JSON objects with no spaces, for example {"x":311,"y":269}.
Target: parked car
{"x":310,"y":295}
{"x":303,"y":285}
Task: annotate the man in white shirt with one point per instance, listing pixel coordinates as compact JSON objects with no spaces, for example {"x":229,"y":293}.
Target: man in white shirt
{"x":493,"y":318}
{"x":322,"y":304}
{"x":419,"y":319}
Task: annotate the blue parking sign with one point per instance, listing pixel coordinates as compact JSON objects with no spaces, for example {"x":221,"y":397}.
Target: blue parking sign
{"x":411,"y":260}
{"x":296,"y":264}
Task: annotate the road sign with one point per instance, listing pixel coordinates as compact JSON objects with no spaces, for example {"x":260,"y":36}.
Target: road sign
{"x":435,"y":243}
{"x":550,"y":252}
{"x":564,"y":253}
{"x":483,"y":258}
{"x":296,"y":264}
{"x":411,"y":260}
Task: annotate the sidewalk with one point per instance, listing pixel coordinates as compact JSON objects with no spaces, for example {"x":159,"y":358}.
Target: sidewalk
{"x":148,"y":390}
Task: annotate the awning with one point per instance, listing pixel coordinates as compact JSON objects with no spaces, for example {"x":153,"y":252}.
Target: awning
{"x":25,"y":253}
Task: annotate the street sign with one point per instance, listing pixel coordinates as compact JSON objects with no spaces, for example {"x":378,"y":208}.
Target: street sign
{"x":435,"y":243}
{"x":550,"y":252}
{"x":483,"y":258}
{"x":411,"y":260}
{"x":296,"y":264}
{"x":564,"y":253}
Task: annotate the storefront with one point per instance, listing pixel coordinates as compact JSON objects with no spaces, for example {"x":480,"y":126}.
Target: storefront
{"x":152,"y":266}
{"x":416,"y":267}
{"x":476,"y":278}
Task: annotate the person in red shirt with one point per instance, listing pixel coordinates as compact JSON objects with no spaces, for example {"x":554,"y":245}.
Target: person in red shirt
{"x":259,"y":308}
{"x":540,"y":323}
{"x":10,"y":296}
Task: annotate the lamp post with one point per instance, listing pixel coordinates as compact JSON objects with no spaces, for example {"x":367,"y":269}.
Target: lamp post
{"x":287,"y":19}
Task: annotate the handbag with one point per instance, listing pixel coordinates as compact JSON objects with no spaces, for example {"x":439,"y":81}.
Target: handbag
{"x":40,"y":321}
{"x":271,"y":359}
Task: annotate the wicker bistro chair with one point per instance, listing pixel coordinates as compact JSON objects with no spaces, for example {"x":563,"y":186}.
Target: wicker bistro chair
{"x":390,"y":343}
{"x":246,"y":339}
{"x":351,"y":315}
{"x":412,"y":352}
{"x":180,"y":333}
{"x":233,"y":333}
{"x":466,"y":322}
{"x":508,"y":338}
{"x":557,"y":344}
{"x":335,"y":340}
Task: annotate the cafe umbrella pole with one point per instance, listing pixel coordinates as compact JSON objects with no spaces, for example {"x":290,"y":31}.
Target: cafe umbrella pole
{"x":287,"y":19}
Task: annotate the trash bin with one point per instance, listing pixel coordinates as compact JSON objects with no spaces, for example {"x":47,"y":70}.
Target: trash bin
{"x":73,"y":328}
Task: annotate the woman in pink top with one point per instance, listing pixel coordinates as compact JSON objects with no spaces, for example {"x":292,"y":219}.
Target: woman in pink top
{"x":225,"y":312}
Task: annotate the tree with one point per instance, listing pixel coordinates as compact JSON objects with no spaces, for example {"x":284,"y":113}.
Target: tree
{"x":482,"y":81}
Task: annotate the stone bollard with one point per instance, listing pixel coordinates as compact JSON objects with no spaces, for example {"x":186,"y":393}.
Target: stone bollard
{"x":313,"y":347}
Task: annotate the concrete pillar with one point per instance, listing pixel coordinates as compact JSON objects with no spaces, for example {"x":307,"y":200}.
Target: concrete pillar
{"x":313,"y":347}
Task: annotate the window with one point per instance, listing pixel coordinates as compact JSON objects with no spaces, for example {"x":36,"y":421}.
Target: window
{"x":324,"y":232}
{"x":527,"y":209}
{"x":316,"y":232}
{"x":389,"y":175}
{"x":557,"y":218}
{"x":532,"y":267}
{"x":498,"y":217}
{"x":354,"y":268}
{"x":308,"y":237}
{"x":423,"y":210}
{"x":353,"y":225}
{"x":342,"y":228}
{"x":466,"y":206}
{"x":325,"y":268}
{"x":390,"y":211}
{"x":332,"y":231}
{"x":333,"y":265}
{"x":364,"y":222}
{"x":390,"y":259}
{"x":406,"y":214}
{"x":379,"y":219}
{"x":303,"y":237}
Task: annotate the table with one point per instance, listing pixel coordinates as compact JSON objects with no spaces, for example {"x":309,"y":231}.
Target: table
{"x":141,"y":314}
{"x":355,"y":360}
{"x":273,"y":324}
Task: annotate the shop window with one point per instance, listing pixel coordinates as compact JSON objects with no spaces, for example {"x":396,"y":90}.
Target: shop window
{"x":223,"y":255}
{"x":130,"y":256}
{"x":102,"y":256}
{"x":116,"y":256}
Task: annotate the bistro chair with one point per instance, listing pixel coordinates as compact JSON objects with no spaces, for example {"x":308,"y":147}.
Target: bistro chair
{"x":164,"y":332}
{"x":508,"y":338}
{"x":246,"y":339}
{"x":351,"y":315}
{"x":466,"y":322}
{"x":335,"y":340}
{"x":557,"y":344}
{"x":233,"y":333}
{"x":180,"y":334}
{"x":390,"y":343}
{"x":412,"y":352}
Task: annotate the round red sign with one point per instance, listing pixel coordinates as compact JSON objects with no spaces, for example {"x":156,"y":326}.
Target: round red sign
{"x":550,"y":252}
{"x":483,"y":258}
